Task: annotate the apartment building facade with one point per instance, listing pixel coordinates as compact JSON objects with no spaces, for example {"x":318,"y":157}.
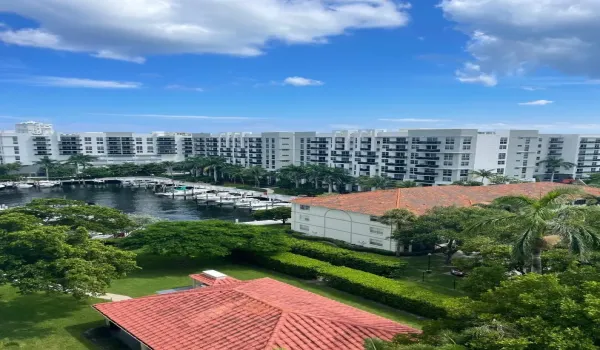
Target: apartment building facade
{"x":427,"y":156}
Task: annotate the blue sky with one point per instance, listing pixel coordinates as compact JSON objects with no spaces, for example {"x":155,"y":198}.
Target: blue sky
{"x":209,"y":66}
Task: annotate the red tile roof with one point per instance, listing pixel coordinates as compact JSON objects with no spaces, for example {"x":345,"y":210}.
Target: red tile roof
{"x":256,"y":314}
{"x":211,"y":281}
{"x":420,"y":199}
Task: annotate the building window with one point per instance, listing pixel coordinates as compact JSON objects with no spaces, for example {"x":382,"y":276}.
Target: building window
{"x":466,"y":147}
{"x":447,"y":172}
{"x":464,"y":163}
{"x":500,"y":171}
{"x":374,"y":218}
{"x":87,"y":139}
{"x":304,"y":217}
{"x":15,"y":140}
{"x":303,"y":227}
{"x":465,"y":157}
{"x":304,"y":207}
{"x":376,"y":230}
{"x":447,"y":163}
{"x":88,"y":148}
{"x":464,"y":172}
{"x":503,"y":146}
{"x":501,"y":162}
{"x":448,"y":156}
{"x":17,"y":158}
{"x":501,"y":155}
{"x":449,"y":140}
{"x":449,"y":147}
{"x":139,"y":149}
{"x":150,"y":149}
{"x":504,"y":140}
{"x":467,"y":140}
{"x":376,"y":242}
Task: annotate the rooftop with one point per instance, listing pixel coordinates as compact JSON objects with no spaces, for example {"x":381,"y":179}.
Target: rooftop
{"x":256,"y":314}
{"x":420,"y":199}
{"x":213,"y":278}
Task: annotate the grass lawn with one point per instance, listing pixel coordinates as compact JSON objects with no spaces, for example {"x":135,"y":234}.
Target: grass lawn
{"x":54,"y":322}
{"x":439,"y":277}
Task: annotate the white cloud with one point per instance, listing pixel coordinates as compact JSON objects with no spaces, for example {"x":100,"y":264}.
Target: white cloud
{"x":531,"y":88}
{"x":77,"y":83}
{"x":411,"y":120}
{"x":171,"y":116}
{"x":299,"y":81}
{"x":512,"y":37}
{"x":131,"y":29}
{"x":536,"y":103}
{"x":345,"y":126}
{"x":471,"y":73}
{"x":183,"y":88}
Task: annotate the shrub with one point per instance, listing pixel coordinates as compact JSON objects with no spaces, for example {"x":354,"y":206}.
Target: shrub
{"x":299,"y":191}
{"x":404,"y":295}
{"x":369,"y":262}
{"x":292,"y":264}
{"x":340,"y":243}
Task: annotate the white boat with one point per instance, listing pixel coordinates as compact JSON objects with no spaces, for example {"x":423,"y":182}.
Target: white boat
{"x":98,"y":181}
{"x":23,"y":185}
{"x":2,"y":186}
{"x":47,"y":184}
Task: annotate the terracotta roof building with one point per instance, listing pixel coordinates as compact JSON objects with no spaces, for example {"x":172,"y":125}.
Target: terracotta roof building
{"x":256,"y":314}
{"x":353,"y":218}
{"x":420,"y":199}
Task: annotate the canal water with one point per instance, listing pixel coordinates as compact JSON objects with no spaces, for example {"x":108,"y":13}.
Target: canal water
{"x":128,"y":199}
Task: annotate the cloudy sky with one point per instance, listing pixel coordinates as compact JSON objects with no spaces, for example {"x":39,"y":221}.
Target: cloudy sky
{"x":224,"y":65}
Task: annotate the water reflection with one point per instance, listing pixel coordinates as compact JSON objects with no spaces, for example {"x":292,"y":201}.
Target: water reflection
{"x":128,"y":199}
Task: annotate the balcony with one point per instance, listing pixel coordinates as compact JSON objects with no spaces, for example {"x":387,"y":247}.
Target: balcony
{"x":426,"y":173}
{"x":394,"y":157}
{"x":424,"y":181}
{"x":556,"y":141}
{"x":342,"y":161}
{"x":428,"y":158}
{"x":428,"y":142}
{"x":403,"y":171}
{"x":367,"y":163}
{"x":365,"y":148}
{"x":427,"y":166}
{"x":428,"y":150}
{"x":395,"y":142}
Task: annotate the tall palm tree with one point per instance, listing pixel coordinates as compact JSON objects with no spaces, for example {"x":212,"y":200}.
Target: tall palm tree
{"x":333,"y":176}
{"x":169,"y":166}
{"x":398,"y":219}
{"x":549,"y":215}
{"x":365,"y":182}
{"x":381,"y":182}
{"x":293,"y":173}
{"x":47,"y":164}
{"x":195,"y":164}
{"x":406,"y":184}
{"x":215,"y":164}
{"x":553,"y":163}
{"x":83,"y":160}
{"x":257,"y":173}
{"x":315,"y":173}
{"x":483,"y":174}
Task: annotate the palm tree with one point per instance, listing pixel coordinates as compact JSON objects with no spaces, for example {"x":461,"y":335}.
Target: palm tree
{"x":406,"y":184}
{"x":169,"y":166}
{"x":16,"y":166}
{"x":235,"y":172}
{"x":83,"y":160}
{"x":381,"y":182}
{"x":195,"y":164}
{"x":315,"y":173}
{"x":215,"y":164}
{"x":550,"y":215}
{"x":398,"y":219}
{"x":553,"y":163}
{"x":365,"y":182}
{"x":334,"y":176}
{"x":483,"y":174}
{"x":47,"y":164}
{"x":257,"y":173}
{"x":293,"y":173}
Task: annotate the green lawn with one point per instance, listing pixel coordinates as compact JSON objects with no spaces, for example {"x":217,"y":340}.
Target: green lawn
{"x":439,"y":277}
{"x":57,"y":322}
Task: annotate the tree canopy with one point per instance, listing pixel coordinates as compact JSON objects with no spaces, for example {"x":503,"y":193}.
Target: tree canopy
{"x":281,"y":213}
{"x":75,"y":214}
{"x":205,"y":239}
{"x":37,"y":257}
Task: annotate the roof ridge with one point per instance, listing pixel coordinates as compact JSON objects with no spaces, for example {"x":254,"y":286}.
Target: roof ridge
{"x":280,"y":322}
{"x":349,"y":322}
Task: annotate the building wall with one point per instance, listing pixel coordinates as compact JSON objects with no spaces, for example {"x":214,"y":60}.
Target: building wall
{"x":355,"y":228}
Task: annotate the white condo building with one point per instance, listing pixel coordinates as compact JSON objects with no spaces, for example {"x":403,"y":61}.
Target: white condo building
{"x":427,"y":156}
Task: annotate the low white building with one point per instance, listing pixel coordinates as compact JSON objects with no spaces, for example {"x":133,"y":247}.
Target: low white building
{"x":354,"y":217}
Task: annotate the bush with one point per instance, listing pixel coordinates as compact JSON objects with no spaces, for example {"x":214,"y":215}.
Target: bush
{"x":311,"y":192}
{"x":342,"y":244}
{"x":279,"y":213}
{"x":369,"y":262}
{"x":292,"y":264}
{"x":404,"y":295}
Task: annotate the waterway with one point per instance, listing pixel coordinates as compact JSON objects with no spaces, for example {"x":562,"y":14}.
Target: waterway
{"x":129,"y":200}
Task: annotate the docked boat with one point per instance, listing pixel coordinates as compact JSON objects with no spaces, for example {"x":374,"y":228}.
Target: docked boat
{"x":24,"y":185}
{"x":47,"y":184}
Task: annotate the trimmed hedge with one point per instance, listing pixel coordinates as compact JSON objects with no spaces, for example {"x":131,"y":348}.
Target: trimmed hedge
{"x":369,"y":262}
{"x":340,"y":243}
{"x":292,"y":264}
{"x":404,"y":295}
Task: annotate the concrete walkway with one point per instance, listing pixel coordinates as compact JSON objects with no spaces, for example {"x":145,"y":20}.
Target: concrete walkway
{"x":262,"y":222}
{"x":113,"y":297}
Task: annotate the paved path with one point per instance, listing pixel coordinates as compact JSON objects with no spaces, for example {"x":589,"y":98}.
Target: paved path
{"x":113,"y":297}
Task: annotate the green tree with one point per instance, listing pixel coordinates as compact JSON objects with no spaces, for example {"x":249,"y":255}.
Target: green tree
{"x":400,"y":220}
{"x":75,"y":214}
{"x":293,"y":173}
{"x":205,"y":239}
{"x":550,"y":215}
{"x":35,"y":257}
{"x":81,"y":160}
{"x":483,"y":174}
{"x":169,"y":166}
{"x":215,"y":165}
{"x":46,"y":163}
{"x":195,"y":165}
{"x":334,"y":176}
{"x":553,"y":164}
{"x":96,"y":172}
{"x":256,"y":173}
{"x":406,"y":184}
{"x":315,"y":173}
